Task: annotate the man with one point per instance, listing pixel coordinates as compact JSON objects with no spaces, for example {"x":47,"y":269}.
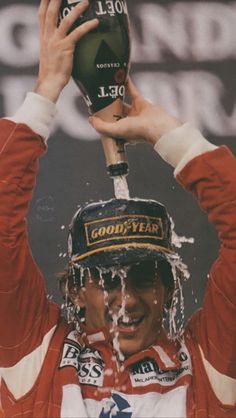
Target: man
{"x":117,"y":360}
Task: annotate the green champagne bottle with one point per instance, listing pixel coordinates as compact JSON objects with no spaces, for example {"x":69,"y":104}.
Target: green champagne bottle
{"x":100,"y":68}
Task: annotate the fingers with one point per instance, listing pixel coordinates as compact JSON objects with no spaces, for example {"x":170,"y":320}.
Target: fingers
{"x":118,"y":129}
{"x":52,"y":15}
{"x":43,"y":10}
{"x":81,"y":30}
{"x":74,"y":14}
{"x":48,"y":17}
{"x":104,"y":128}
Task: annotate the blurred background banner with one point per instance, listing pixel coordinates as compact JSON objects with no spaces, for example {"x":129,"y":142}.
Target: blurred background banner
{"x":183,"y":57}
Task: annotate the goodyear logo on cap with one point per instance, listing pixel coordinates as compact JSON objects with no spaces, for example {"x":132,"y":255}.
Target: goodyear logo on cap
{"x":123,"y":227}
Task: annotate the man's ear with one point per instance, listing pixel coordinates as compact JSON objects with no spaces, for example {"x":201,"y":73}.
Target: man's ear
{"x":77,"y":296}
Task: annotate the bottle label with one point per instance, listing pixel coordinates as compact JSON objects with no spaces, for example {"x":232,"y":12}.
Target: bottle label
{"x":111,"y":7}
{"x":101,"y":59}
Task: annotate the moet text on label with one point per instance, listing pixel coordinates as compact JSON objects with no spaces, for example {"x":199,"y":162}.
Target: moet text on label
{"x":111,"y":7}
{"x":111,"y":91}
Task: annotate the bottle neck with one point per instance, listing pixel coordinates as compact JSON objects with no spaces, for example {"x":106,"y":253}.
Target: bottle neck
{"x":114,"y":149}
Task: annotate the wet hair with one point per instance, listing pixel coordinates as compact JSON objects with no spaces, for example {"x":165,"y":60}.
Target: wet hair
{"x":164,"y":271}
{"x":69,"y":282}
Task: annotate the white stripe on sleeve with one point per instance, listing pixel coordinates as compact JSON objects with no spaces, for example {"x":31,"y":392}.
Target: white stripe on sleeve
{"x":37,"y":112}
{"x":181,"y":145}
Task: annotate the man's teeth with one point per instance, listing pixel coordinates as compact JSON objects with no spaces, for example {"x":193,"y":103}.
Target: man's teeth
{"x":129,"y":322}
{"x":125,"y":320}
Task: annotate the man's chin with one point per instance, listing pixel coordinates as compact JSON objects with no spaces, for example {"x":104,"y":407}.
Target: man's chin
{"x":128,"y":344}
{"x":129,"y":341}
{"x":129,"y":347}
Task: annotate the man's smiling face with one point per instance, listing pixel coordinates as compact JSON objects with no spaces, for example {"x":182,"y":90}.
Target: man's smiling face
{"x":130,"y":309}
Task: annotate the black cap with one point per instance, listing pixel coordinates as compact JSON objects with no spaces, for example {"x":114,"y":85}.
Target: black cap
{"x":119,"y":232}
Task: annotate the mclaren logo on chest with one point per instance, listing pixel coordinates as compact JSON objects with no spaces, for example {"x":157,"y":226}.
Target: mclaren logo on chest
{"x":122,"y":227}
{"x":147,"y":372}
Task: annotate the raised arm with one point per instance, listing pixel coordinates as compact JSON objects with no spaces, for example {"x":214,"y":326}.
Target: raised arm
{"x":27,"y":319}
{"x":210,"y":173}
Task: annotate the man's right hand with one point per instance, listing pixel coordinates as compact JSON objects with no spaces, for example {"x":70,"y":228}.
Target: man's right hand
{"x":144,"y":121}
{"x":57,"y":46}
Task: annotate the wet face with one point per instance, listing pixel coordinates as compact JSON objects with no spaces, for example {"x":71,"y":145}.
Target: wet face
{"x":130,"y":308}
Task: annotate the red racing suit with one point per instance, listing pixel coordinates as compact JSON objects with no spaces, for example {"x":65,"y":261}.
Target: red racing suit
{"x":47,"y":372}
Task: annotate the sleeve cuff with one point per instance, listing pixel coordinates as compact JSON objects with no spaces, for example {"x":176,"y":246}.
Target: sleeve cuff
{"x":37,"y":112}
{"x":181,"y":145}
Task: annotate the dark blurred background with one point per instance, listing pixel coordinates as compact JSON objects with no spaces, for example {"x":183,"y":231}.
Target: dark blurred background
{"x":183,"y":57}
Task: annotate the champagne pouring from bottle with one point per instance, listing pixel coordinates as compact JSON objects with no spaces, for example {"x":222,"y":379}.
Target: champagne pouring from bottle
{"x":100,"y":69}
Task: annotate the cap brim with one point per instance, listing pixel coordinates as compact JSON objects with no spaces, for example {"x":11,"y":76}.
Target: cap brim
{"x":122,"y":257}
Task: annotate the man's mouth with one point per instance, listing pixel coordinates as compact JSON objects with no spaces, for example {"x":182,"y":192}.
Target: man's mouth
{"x":127,"y":324}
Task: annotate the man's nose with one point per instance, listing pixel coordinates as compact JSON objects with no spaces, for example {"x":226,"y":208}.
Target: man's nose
{"x":127,"y":297}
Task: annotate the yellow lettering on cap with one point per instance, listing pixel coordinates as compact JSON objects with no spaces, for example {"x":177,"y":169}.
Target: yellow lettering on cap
{"x":125,"y":228}
{"x":135,"y":226}
{"x":102,"y":231}
{"x":94,"y":233}
{"x":142,"y":227}
{"x":119,"y":229}
{"x":110,"y":229}
{"x":149,"y":228}
{"x":155,"y":229}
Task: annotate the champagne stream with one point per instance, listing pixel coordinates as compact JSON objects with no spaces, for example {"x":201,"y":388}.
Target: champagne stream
{"x":121,"y":189}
